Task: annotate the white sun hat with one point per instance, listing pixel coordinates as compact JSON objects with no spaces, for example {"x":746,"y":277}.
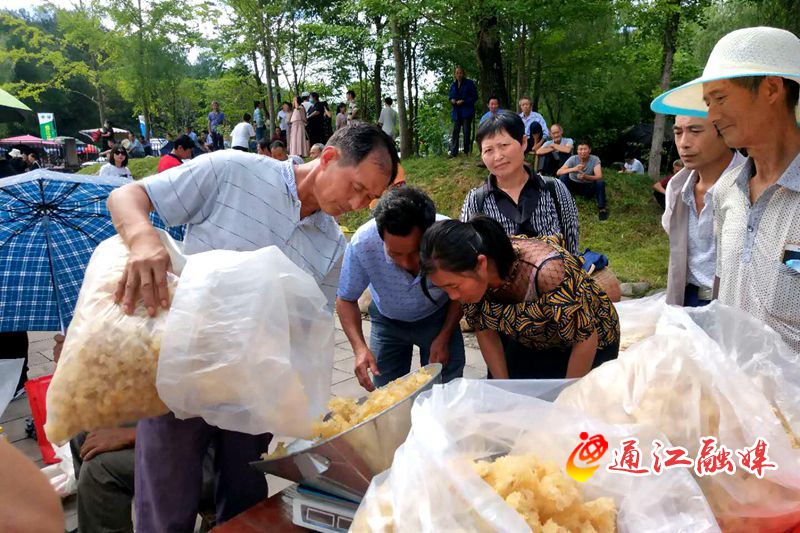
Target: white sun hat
{"x":760,"y":51}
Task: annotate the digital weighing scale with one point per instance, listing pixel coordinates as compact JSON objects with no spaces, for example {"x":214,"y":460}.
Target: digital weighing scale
{"x":319,"y":511}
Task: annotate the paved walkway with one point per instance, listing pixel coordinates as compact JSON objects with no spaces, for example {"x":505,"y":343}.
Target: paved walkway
{"x":40,"y":354}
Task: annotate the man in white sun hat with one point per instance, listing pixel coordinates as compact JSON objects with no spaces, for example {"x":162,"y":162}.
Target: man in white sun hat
{"x":749,"y":90}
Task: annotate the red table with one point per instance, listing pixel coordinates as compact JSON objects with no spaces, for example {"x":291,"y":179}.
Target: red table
{"x":268,"y":516}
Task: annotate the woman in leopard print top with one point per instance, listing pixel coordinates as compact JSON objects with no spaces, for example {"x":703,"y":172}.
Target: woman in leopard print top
{"x":530,"y":289}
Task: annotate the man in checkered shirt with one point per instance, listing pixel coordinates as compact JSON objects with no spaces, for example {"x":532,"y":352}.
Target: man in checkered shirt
{"x":232,"y":200}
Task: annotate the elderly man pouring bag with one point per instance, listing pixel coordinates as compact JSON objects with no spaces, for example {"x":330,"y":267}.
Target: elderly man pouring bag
{"x":749,"y":90}
{"x":231,"y":200}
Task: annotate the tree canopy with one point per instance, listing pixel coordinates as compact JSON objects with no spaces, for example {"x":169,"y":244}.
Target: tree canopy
{"x":592,"y":65}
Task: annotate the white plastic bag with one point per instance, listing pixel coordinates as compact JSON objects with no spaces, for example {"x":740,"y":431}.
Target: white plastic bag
{"x":106,"y":375}
{"x":638,"y":318}
{"x":433,"y":487}
{"x":718,"y":372}
{"x":62,"y":475}
{"x":248,"y":344}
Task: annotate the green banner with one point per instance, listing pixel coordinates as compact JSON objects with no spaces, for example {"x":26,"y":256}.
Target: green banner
{"x":47,"y":126}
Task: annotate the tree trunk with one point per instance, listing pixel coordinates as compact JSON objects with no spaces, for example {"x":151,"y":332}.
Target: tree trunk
{"x":277,"y":85}
{"x":142,"y":74}
{"x":537,"y":84}
{"x":378,"y":68}
{"x":399,"y":82}
{"x":412,"y":130}
{"x":256,"y":74}
{"x":101,"y":103}
{"x":416,"y":97}
{"x":490,"y":62}
{"x":266,"y":51}
{"x":522,"y":67}
{"x":670,"y":43}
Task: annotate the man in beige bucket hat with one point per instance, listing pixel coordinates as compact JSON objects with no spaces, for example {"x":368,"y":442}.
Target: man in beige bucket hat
{"x":749,"y":91}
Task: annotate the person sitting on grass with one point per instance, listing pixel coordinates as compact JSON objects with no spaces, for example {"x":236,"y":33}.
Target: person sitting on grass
{"x":117,"y":166}
{"x":555,"y":152}
{"x":263,"y":148}
{"x":182,"y":149}
{"x":316,"y":151}
{"x":660,"y":187}
{"x":583,"y":175}
{"x":278,"y":150}
{"x":632,"y":165}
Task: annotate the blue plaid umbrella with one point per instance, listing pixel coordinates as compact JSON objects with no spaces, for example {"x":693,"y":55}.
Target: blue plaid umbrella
{"x":50,"y":223}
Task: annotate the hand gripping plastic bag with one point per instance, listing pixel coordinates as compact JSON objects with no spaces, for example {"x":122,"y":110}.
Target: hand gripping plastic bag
{"x":638,"y":318}
{"x":432,"y":485}
{"x":248,"y":344}
{"x":712,"y":372}
{"x":106,"y":375}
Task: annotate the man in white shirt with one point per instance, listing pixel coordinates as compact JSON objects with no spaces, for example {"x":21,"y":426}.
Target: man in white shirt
{"x":307,"y":104}
{"x":234,"y":201}
{"x":283,"y":117}
{"x":242,"y":133}
{"x":689,"y":213}
{"x":750,"y":91}
{"x":528,"y":117}
{"x":632,"y":166}
{"x":555,"y":152}
{"x":388,"y":118}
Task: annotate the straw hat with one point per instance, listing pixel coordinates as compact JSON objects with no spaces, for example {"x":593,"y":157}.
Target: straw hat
{"x":126,"y":144}
{"x":14,"y":153}
{"x":760,"y":51}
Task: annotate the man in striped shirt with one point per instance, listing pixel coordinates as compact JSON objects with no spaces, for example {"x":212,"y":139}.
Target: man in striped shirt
{"x":523,"y":202}
{"x":232,"y":200}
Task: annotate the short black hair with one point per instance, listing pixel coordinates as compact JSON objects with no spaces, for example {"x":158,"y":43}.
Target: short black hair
{"x":264,"y":144}
{"x":315,"y":95}
{"x":583,"y":141}
{"x":357,"y":141}
{"x":752,"y":83}
{"x":276,"y":144}
{"x":493,"y":97}
{"x":341,"y":106}
{"x":388,"y":100}
{"x":246,"y":117}
{"x":183,"y":141}
{"x":505,"y":121}
{"x":402,"y":209}
{"x":352,"y":93}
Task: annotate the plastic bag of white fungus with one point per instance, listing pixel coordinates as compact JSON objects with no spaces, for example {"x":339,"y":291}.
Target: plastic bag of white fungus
{"x":107,"y":372}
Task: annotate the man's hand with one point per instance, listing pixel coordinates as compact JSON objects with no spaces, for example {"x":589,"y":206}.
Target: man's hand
{"x":58,"y":346}
{"x":107,"y":440}
{"x":365,"y":361}
{"x":577,"y":168}
{"x":440,"y":350}
{"x":145,"y":274}
{"x":460,"y":102}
